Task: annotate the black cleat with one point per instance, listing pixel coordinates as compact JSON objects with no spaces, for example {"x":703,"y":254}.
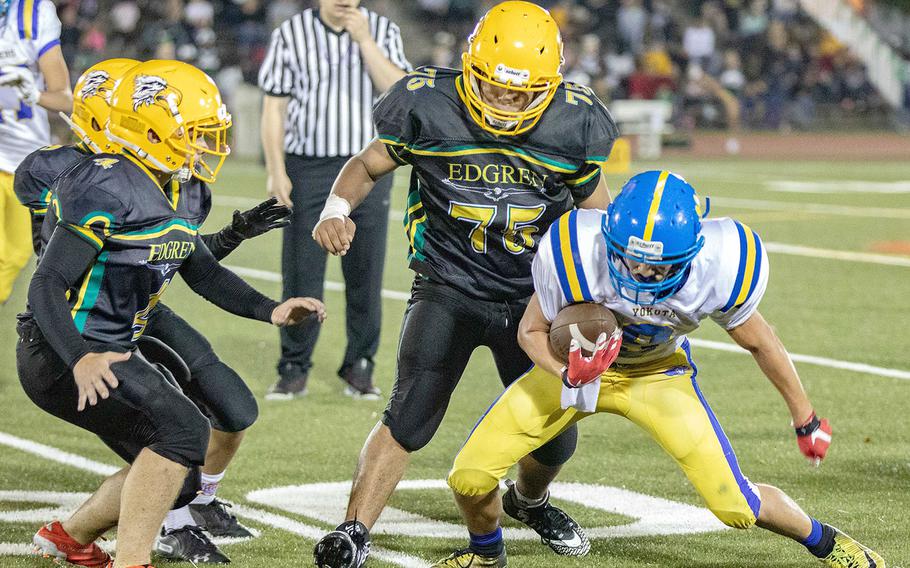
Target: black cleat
{"x":348,"y":546}
{"x":359,"y":378}
{"x":556,"y":529}
{"x":189,"y":544}
{"x":215,"y":518}
{"x":291,"y":383}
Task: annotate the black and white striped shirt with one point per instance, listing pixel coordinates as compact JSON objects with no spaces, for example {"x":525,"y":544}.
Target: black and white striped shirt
{"x":330,"y":110}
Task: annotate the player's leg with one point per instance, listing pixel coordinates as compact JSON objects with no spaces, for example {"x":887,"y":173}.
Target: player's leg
{"x":145,"y":410}
{"x":439,"y":332}
{"x":302,"y":270}
{"x":527,"y":415}
{"x":670,"y":406}
{"x":362,"y":267}
{"x":527,"y":500}
{"x":15,"y":236}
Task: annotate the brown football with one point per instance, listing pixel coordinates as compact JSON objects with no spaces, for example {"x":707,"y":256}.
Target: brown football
{"x":583,"y":322}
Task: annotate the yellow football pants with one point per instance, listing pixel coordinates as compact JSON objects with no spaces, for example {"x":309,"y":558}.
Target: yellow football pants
{"x":662,"y":398}
{"x":15,"y":236}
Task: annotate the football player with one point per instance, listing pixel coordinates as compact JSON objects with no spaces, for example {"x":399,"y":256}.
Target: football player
{"x":498,"y":151}
{"x":662,"y":270}
{"x":125,"y":227}
{"x":213,"y":386}
{"x":33,"y":80}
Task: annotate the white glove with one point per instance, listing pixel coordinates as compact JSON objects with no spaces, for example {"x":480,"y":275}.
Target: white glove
{"x":22,"y":81}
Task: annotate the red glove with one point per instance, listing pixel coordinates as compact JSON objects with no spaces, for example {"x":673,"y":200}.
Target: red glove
{"x":582,"y":370}
{"x":813,"y":438}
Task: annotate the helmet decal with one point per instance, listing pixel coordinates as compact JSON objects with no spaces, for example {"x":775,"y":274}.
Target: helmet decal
{"x":148,"y":87}
{"x":93,"y":83}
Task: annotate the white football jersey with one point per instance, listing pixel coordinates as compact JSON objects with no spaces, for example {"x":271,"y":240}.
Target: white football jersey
{"x":726,"y":281}
{"x":28,"y":30}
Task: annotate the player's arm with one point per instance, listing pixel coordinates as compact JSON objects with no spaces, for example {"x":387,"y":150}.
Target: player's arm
{"x":57,"y":95}
{"x":274,"y":112}
{"x":229,"y":292}
{"x":335,"y":230}
{"x":600,"y":198}
{"x":534,"y":338}
{"x":758,"y":337}
{"x":65,"y":261}
{"x":383,"y":72}
{"x":248,"y":224}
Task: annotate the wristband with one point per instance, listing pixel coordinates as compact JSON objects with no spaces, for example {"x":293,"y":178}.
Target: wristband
{"x":335,"y":208}
{"x":809,"y":427}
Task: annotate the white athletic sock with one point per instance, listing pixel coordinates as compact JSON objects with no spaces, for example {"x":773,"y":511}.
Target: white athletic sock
{"x":527,"y":502}
{"x":209,"y":488}
{"x":178,"y":518}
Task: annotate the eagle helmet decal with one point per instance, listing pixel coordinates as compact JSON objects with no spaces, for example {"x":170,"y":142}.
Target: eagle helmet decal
{"x":93,"y":83}
{"x":147,"y":90}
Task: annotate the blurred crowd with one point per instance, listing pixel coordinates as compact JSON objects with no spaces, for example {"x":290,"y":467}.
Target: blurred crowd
{"x":758,"y":64}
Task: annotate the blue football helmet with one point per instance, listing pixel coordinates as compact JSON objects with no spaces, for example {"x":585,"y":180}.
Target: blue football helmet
{"x":655,"y":220}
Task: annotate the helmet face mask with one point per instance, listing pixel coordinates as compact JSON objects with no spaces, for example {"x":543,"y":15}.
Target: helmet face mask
{"x":170,"y":115}
{"x":516,"y":46}
{"x":652,"y":228}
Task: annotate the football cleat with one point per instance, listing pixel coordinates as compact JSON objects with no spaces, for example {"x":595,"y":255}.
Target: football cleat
{"x":190,"y":544}
{"x":359,"y":379}
{"x":467,"y":558}
{"x":51,"y":541}
{"x":848,"y":553}
{"x":556,"y":529}
{"x":215,"y":518}
{"x":348,"y":546}
{"x":289,"y":386}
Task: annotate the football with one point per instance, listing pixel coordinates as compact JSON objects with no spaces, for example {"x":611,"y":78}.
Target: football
{"x":583,"y":322}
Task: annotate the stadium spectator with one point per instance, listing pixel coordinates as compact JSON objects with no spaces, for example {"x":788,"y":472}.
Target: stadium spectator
{"x":314,"y":120}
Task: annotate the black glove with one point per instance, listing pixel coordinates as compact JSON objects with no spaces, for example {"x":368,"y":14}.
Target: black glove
{"x":261,"y":219}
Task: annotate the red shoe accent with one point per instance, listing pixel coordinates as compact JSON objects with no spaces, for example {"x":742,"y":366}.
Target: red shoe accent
{"x":52,"y":541}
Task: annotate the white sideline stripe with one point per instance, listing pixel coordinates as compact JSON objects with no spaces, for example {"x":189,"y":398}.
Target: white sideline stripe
{"x":271,"y":519}
{"x":871,"y":258}
{"x":812,"y":360}
{"x":720,"y":346}
{"x":56,"y":455}
{"x":838,"y":186}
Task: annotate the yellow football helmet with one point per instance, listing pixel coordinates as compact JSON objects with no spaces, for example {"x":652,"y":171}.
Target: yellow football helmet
{"x":515,"y":46}
{"x":91,"y":102}
{"x":170,"y":115}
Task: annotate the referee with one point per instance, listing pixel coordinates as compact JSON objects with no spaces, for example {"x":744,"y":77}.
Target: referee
{"x":324,"y":69}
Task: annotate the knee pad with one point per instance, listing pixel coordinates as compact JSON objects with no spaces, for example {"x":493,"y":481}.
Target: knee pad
{"x":738,"y":519}
{"x":471,"y":482}
{"x":224,"y":397}
{"x":184,"y":439}
{"x":192,"y":484}
{"x":411,"y":437}
{"x":559,"y":450}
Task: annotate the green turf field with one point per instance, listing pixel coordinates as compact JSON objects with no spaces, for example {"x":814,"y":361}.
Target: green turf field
{"x":844,"y":309}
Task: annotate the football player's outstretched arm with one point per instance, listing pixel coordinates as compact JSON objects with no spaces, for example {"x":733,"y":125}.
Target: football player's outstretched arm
{"x":534,"y":338}
{"x":600,"y":198}
{"x":57,"y":95}
{"x":334,"y":231}
{"x":757,"y":336}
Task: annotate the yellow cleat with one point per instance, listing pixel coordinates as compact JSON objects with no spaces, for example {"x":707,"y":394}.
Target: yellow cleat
{"x":848,"y":553}
{"x":467,"y":558}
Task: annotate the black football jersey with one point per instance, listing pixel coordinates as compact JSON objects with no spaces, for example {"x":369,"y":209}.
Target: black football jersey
{"x":479,"y":203}
{"x":142,"y":232}
{"x":35,"y":178}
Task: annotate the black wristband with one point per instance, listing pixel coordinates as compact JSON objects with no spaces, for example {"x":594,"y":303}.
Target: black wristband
{"x":810,"y":427}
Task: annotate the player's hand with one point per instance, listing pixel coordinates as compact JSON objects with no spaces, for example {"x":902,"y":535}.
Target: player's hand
{"x":279,"y":186}
{"x":814,"y":437}
{"x":335,"y":234}
{"x":356,"y":24}
{"x":582,"y":370}
{"x":294,"y":310}
{"x":22,"y":81}
{"x":94,"y":377}
{"x":261,"y":219}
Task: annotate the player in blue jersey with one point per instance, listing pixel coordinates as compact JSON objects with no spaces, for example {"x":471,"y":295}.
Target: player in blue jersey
{"x":127,"y":223}
{"x":662,"y":270}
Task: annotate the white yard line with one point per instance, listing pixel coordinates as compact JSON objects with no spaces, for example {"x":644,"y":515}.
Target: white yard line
{"x":838,"y":186}
{"x":717,"y":345}
{"x":264,"y":517}
{"x":829,"y":254}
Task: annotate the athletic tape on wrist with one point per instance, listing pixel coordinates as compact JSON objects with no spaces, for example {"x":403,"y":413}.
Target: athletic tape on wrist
{"x":335,"y":208}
